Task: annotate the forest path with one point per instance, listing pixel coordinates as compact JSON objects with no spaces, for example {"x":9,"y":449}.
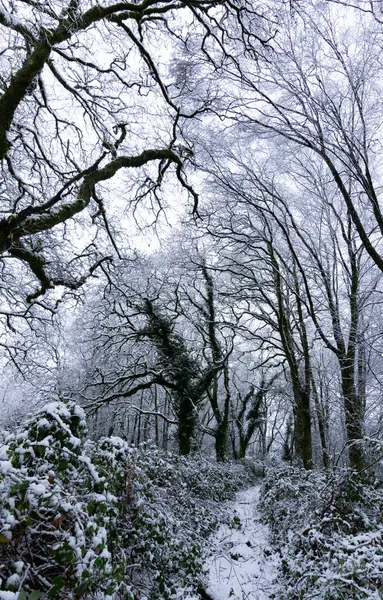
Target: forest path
{"x":242,"y":565}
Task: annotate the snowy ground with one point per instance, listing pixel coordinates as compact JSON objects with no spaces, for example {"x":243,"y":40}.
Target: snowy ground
{"x":242,"y":565}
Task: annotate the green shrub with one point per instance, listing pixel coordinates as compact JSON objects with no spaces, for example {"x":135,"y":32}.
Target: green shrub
{"x":55,"y":509}
{"x":329,"y":530}
{"x":80,"y":519}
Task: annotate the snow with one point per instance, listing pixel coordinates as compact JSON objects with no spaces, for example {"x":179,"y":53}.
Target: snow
{"x":38,"y":489}
{"x":243,"y":565}
{"x":10,"y":19}
{"x":5,"y":466}
{"x":86,"y":460}
{"x":19,"y":565}
{"x":13,"y":580}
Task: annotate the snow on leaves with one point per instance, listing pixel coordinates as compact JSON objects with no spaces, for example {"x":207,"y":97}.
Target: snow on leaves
{"x":329,"y":531}
{"x":102,"y":520}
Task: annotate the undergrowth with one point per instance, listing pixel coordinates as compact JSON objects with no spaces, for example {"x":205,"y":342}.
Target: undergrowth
{"x":329,"y":530}
{"x":80,"y":519}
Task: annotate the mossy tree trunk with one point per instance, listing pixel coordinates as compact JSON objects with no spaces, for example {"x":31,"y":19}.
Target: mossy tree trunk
{"x":183,"y":377}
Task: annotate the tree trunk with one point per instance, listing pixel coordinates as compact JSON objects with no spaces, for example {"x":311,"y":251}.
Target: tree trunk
{"x":302,"y":428}
{"x":222,"y":431}
{"x":321,"y":425}
{"x":221,"y":441}
{"x":186,"y":425}
{"x":353,"y":406}
{"x":243,"y":443}
{"x":165,"y":427}
{"x":156,"y":429}
{"x":301,"y":384}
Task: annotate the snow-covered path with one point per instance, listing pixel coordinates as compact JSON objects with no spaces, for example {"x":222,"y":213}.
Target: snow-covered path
{"x":242,"y":565}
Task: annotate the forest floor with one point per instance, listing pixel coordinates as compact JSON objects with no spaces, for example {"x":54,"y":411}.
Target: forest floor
{"x":242,"y":564}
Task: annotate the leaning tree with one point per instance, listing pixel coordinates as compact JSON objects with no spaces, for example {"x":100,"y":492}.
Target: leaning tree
{"x":94,"y":102}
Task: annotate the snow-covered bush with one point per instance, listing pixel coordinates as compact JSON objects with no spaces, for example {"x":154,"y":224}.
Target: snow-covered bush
{"x":288,"y":496}
{"x":80,"y":519}
{"x":55,"y":509}
{"x":329,"y":530}
{"x":205,"y":479}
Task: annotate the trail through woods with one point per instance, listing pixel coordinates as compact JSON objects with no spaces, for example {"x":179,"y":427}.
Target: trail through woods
{"x":242,"y":565}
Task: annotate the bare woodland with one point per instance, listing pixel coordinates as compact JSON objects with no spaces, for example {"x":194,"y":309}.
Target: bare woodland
{"x":191,"y":236}
{"x":256,"y":131}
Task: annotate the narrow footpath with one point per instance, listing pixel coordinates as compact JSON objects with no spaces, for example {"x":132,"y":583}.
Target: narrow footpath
{"x":242,"y":565}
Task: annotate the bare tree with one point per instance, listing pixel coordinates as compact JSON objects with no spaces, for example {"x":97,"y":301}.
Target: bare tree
{"x":251,"y":415}
{"x":264,"y":289}
{"x":88,"y":109}
{"x":318,"y":91}
{"x":201,"y":306}
{"x":140,"y":346}
{"x":318,"y":271}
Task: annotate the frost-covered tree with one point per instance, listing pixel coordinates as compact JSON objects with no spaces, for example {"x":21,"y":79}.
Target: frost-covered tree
{"x":93,"y":116}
